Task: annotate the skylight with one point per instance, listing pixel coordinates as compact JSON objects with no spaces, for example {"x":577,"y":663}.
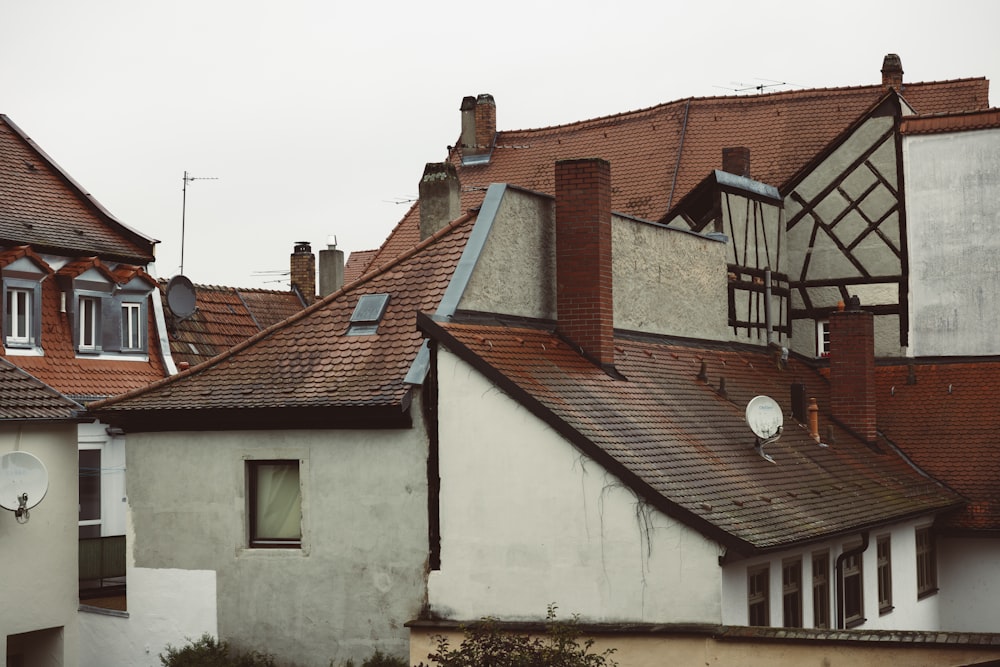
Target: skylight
{"x":367,"y":314}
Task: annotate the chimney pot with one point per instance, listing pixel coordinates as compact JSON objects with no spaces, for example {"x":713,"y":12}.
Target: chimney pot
{"x":303,"y":271}
{"x":892,"y":71}
{"x":331,"y":270}
{"x":813,"y":419}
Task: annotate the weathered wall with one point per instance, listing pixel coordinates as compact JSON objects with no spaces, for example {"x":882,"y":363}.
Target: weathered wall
{"x":970,"y":587}
{"x":528,"y":520}
{"x":953,"y":213}
{"x":661,"y":275}
{"x":38,"y":580}
{"x":360,"y":572}
{"x":697,"y":649}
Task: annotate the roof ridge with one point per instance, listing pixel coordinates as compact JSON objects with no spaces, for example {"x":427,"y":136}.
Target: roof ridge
{"x":716,"y":98}
{"x":277,"y":326}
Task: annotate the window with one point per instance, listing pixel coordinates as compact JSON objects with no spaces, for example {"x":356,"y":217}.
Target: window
{"x":926,"y":563}
{"x":90,"y":493}
{"x":367,"y":314}
{"x":275,"y":504}
{"x":758,"y":604}
{"x":132,"y":334}
{"x":821,"y":589}
{"x":851,"y":584}
{"x":89,"y":319}
{"x":791,"y":593}
{"x":823,"y":338}
{"x":883,"y":555}
{"x":18,"y":321}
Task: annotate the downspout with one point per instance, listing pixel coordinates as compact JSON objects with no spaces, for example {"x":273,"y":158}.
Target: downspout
{"x":838,"y":571}
{"x":767,"y":306}
{"x":680,"y":151}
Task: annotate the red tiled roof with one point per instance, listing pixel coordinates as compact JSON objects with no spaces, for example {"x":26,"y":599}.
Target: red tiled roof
{"x":85,"y":378}
{"x":660,"y":154}
{"x":225,"y":317}
{"x":357,"y":264}
{"x":23,"y":397}
{"x":948,"y":423}
{"x":42,"y":206}
{"x":953,"y":122}
{"x":307,"y":362}
{"x":676,"y":434}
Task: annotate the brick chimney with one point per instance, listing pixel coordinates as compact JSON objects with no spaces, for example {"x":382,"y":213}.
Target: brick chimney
{"x":479,"y":125}
{"x":892,"y":72}
{"x":303,"y":265}
{"x":331,"y":269}
{"x":440,"y":201}
{"x":852,"y":369}
{"x":583,"y":257}
{"x":736,"y":160}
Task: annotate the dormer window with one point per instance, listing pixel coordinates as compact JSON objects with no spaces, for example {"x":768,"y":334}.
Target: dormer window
{"x":19,"y":317}
{"x":367,"y":314}
{"x":89,"y":317}
{"x":132,"y":330}
{"x":23,"y":273}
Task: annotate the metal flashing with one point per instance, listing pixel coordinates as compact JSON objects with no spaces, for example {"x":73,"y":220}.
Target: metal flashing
{"x":724,"y":178}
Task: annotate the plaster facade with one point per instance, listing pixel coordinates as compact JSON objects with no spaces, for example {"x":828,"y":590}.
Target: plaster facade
{"x":967,"y":575}
{"x":38,"y":620}
{"x":528,"y":520}
{"x":660,"y":274}
{"x":359,"y":574}
{"x":952,"y":189}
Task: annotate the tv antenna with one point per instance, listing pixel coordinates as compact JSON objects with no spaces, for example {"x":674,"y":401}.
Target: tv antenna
{"x":763,"y":84}
{"x":188,"y":178}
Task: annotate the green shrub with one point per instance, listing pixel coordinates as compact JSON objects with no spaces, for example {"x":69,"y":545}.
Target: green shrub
{"x":486,"y":644}
{"x":209,"y":652}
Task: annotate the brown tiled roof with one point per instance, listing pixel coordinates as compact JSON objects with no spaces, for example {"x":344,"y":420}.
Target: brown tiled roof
{"x":357,"y":264}
{"x":42,"y":206}
{"x":85,"y":378}
{"x":23,"y":397}
{"x":307,"y":363}
{"x":954,"y":122}
{"x":665,"y":430}
{"x":660,"y":154}
{"x":225,"y":317}
{"x":948,"y":423}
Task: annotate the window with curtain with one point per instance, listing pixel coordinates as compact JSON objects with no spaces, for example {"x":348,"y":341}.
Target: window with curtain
{"x":275,"y":504}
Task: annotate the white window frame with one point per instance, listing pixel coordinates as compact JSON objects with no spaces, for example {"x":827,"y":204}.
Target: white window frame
{"x":133,"y":338}
{"x":822,"y":338}
{"x":89,"y":326}
{"x":13,"y":314}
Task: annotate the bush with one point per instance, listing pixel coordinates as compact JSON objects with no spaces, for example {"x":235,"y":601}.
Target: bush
{"x":209,"y":652}
{"x":487,"y":645}
{"x":379,"y":659}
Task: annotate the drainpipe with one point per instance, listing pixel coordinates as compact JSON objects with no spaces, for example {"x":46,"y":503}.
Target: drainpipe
{"x":767,"y":306}
{"x":838,"y":574}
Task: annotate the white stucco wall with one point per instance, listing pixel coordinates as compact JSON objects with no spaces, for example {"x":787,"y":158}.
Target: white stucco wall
{"x":661,"y":275}
{"x":528,"y":520}
{"x":953,"y":223}
{"x":969,"y":580}
{"x":38,"y":580}
{"x":908,"y":612}
{"x":359,"y":575}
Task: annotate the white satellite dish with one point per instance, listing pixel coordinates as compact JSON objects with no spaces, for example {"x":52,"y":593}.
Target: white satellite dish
{"x":764,"y":416}
{"x":23,"y":482}
{"x":181,"y":296}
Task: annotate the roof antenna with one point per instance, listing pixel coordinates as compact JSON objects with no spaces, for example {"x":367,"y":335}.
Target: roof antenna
{"x":187,"y":179}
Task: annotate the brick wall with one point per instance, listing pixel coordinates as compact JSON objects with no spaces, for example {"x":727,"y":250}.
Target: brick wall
{"x":303,"y":267}
{"x":852,"y":371}
{"x":486,"y":122}
{"x":583,"y":256}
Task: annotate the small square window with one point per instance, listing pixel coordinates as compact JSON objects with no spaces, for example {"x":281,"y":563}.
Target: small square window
{"x":367,"y":314}
{"x":274,"y":504}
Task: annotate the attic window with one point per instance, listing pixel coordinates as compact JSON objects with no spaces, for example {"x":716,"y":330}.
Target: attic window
{"x":367,"y":314}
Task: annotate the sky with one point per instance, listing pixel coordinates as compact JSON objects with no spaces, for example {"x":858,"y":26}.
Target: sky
{"x":312,"y":120}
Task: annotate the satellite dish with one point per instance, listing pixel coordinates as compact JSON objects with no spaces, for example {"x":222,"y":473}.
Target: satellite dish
{"x":764,"y":416}
{"x":181,"y":296}
{"x":23,"y":483}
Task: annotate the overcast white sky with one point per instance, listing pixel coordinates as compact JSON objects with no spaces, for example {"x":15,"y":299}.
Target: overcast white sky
{"x":315,"y":116}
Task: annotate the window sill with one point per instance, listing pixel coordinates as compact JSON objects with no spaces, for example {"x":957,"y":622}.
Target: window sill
{"x":111,"y":356}
{"x":23,"y":351}
{"x":853,"y":623}
{"x":928,"y":593}
{"x":882,"y":611}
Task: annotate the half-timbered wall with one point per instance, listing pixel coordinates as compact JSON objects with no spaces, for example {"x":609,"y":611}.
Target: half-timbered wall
{"x":844,"y":225}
